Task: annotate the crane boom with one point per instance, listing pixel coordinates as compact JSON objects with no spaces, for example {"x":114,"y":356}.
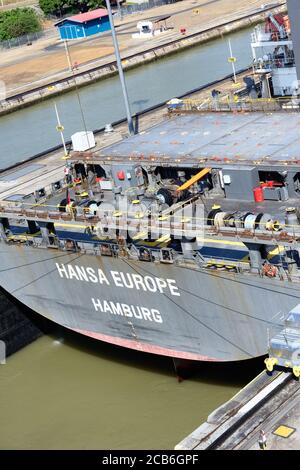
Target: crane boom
{"x":279,"y":27}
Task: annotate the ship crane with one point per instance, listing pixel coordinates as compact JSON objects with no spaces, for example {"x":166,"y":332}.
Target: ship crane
{"x":280,"y":28}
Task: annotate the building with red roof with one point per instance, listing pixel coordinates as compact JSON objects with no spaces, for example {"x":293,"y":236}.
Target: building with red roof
{"x":84,"y":24}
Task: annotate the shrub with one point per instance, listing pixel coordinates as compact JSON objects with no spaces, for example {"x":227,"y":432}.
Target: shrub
{"x":17,"y":22}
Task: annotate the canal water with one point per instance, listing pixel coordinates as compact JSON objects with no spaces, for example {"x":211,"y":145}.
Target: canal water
{"x":32,"y":130}
{"x":65,"y":391}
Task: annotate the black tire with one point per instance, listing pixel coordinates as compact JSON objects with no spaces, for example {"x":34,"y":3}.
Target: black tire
{"x":90,"y":203}
{"x":211,"y":216}
{"x":62,"y":205}
{"x":189,"y":239}
{"x":166,"y":194}
{"x":184,"y":195}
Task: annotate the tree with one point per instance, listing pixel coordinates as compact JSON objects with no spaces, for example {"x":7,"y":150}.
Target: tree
{"x":52,"y":7}
{"x":61,"y":7}
{"x":17,"y":22}
{"x":86,"y":5}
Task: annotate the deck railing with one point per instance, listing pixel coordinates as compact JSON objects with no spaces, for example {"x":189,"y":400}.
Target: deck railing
{"x":273,"y":63}
{"x":273,"y":232}
{"x":234,"y":104}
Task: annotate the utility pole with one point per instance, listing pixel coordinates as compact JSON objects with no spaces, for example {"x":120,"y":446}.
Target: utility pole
{"x":68,"y":55}
{"x":120,"y":69}
{"x":60,"y":129}
{"x":232,"y":60}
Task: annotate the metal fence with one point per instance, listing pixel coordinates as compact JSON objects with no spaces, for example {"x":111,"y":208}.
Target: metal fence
{"x":28,"y":39}
{"x":140,"y":7}
{"x":235,"y":104}
{"x":119,"y":11}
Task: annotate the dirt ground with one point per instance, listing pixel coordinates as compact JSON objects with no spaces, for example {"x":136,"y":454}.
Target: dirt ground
{"x":9,"y":4}
{"x":50,"y":64}
{"x":28,"y":66}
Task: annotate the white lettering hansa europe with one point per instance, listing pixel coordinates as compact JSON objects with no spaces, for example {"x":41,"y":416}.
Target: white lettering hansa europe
{"x":119,"y":279}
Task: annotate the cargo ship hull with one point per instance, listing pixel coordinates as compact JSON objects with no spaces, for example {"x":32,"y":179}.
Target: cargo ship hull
{"x":178,"y":311}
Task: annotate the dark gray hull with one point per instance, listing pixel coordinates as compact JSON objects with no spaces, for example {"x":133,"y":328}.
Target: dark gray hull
{"x":200,"y":315}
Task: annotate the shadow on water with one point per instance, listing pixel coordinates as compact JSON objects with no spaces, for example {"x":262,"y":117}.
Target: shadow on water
{"x":227,"y":374}
{"x":231,"y":374}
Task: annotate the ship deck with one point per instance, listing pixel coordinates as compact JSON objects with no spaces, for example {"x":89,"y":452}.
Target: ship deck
{"x":266,"y":138}
{"x":30,"y":176}
{"x":271,"y":138}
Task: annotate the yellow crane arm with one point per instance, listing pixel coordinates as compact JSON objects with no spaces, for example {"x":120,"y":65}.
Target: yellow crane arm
{"x":194,"y":179}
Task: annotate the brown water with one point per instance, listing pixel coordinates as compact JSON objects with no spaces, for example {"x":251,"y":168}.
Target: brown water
{"x":69,"y":392}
